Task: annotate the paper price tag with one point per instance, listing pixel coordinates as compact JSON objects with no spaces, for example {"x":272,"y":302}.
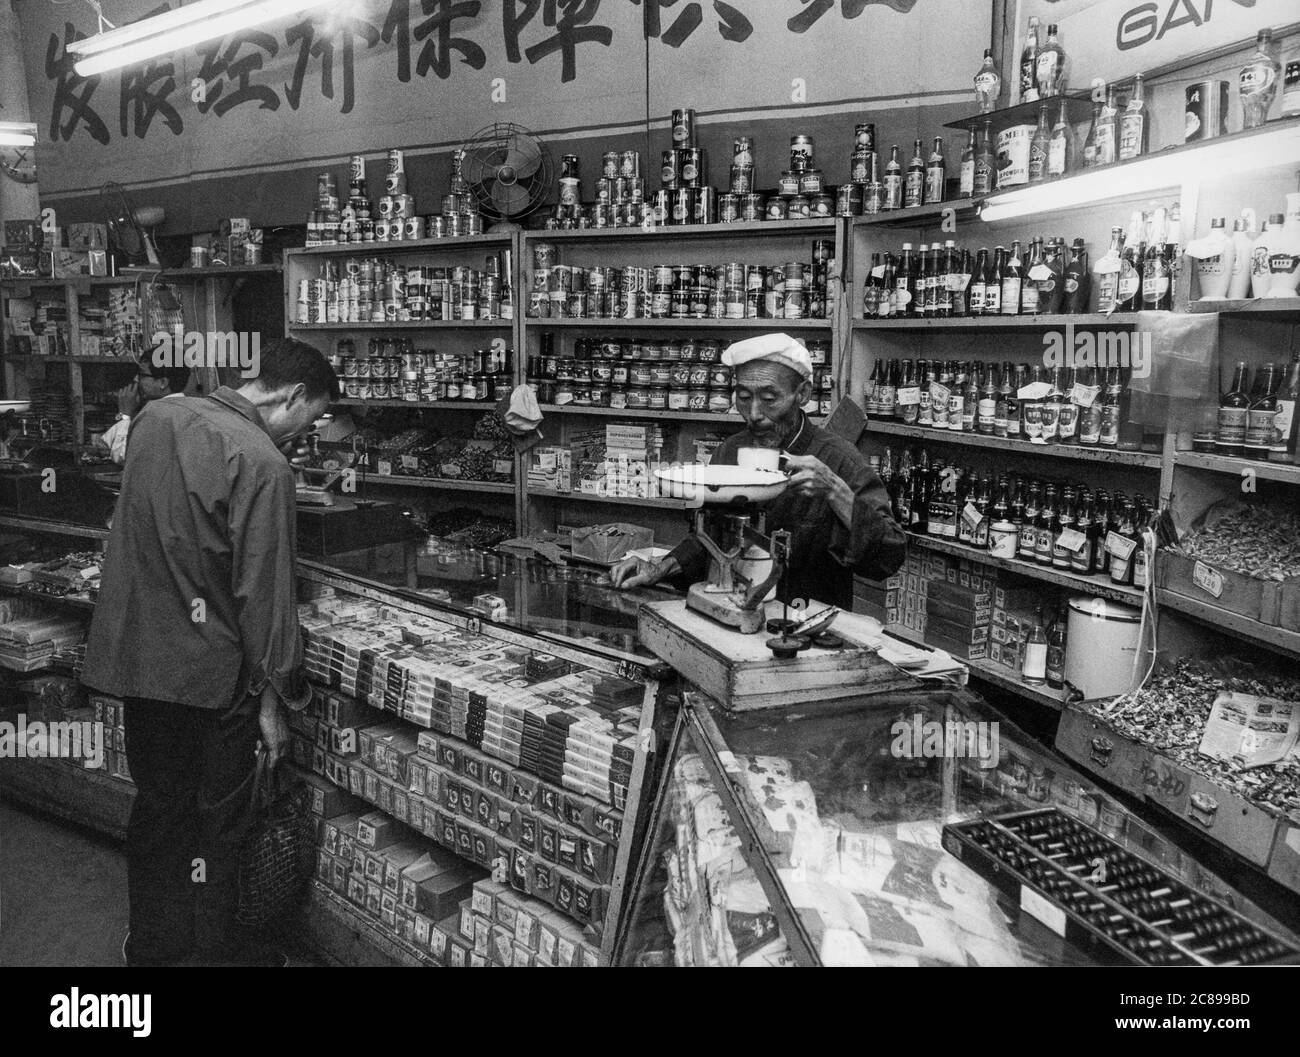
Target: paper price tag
{"x":878,"y":272}
{"x":1072,"y":539}
{"x":1040,"y":272}
{"x":955,"y":283}
{"x":909,"y":395}
{"x":971,"y":516}
{"x":1043,"y":909}
{"x":1118,"y":546}
{"x":1208,"y":579}
{"x":939,"y":394}
{"x":385,"y":468}
{"x":1084,"y":395}
{"x":410,"y":462}
{"x":1106,"y":266}
{"x":1033,"y":391}
{"x":1204,"y":249}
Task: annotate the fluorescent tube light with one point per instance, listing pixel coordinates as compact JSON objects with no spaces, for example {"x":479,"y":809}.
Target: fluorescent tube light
{"x":142,"y":41}
{"x":1268,"y":147}
{"x":17,"y":134}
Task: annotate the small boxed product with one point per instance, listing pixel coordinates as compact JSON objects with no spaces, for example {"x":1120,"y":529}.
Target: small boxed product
{"x":377,"y":830}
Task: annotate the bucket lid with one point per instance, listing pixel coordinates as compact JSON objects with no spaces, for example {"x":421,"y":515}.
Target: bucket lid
{"x":1104,"y":609}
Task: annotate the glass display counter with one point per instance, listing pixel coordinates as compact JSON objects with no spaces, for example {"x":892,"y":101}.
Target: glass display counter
{"x":814,"y":836}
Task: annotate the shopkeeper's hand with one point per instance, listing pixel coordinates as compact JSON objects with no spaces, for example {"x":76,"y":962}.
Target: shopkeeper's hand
{"x":628,"y":573}
{"x":128,"y":399}
{"x":811,"y":477}
{"x":273,"y":726}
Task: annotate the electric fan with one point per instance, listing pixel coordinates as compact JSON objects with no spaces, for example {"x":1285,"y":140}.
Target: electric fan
{"x":508,"y":170}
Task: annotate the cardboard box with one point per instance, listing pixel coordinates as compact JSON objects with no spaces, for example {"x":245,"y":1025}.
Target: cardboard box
{"x":377,"y":830}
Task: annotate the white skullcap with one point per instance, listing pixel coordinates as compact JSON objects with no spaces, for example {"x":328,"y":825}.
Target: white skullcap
{"x":779,"y":348}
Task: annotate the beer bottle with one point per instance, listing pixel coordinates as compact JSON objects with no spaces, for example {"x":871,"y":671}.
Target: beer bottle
{"x":914,"y":187}
{"x":1110,"y":410}
{"x":1050,"y":411}
{"x":983,"y":501}
{"x":1001,"y":401}
{"x":909,"y":394}
{"x":1087,"y":395}
{"x":1141,"y":521}
{"x":1081,"y":560}
{"x":993,"y":283}
{"x":1078,"y":279}
{"x":1015,"y":406}
{"x":1286,"y":423}
{"x":966,"y":180}
{"x":970,"y":402}
{"x":905,"y":282}
{"x":924,"y":412}
{"x":1029,"y":526}
{"x":1029,"y":288}
{"x":958,"y":304}
{"x":1055,"y":669}
{"x":956,"y":399}
{"x":1260,"y":414}
{"x":1033,"y":669}
{"x":1122,"y":544}
{"x":1012,"y":277}
{"x":871,"y":395}
{"x":1234,"y":408}
{"x":893,"y":197}
{"x":1133,"y":124}
{"x":986,"y":163}
{"x":1064,"y":531}
{"x":1031,"y":408}
{"x":924,"y":306}
{"x":936,"y":173}
{"x":1051,"y":291}
{"x":1039,"y":148}
{"x":975,"y":297}
{"x":1067,"y":422}
{"x":1047,"y":527}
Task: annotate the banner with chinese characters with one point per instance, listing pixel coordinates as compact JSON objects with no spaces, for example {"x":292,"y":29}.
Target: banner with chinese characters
{"x":424,"y":75}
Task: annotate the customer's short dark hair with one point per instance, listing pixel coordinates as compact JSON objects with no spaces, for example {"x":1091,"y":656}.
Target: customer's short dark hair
{"x":177,"y":377}
{"x":287,"y":362}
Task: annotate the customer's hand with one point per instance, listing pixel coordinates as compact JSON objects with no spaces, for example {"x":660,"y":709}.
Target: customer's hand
{"x":296,"y":450}
{"x":273,"y":726}
{"x":128,"y":399}
{"x":629,"y":573}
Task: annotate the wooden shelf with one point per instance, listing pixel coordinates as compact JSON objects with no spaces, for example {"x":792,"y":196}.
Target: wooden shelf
{"x":920,"y":216}
{"x":1093,"y":585}
{"x":1110,"y":456}
{"x":1274,"y":638}
{"x":375,"y":249}
{"x":687,"y":231}
{"x":65,"y":788}
{"x":70,"y":280}
{"x":587,"y":497}
{"x":1078,"y":110}
{"x":422,"y":324}
{"x":1262,"y":307}
{"x":419,"y":405}
{"x":116,"y":360}
{"x":1265,"y":471}
{"x":72,"y":602}
{"x":680,"y":324}
{"x":217,"y":271}
{"x":445,"y":483}
{"x":1037,"y":322}
{"x":60,"y":528}
{"x":990,"y":672}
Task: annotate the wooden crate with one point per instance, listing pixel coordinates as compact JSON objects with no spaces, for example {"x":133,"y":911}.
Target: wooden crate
{"x":1243,"y":595}
{"x":1097,"y":748}
{"x":1284,"y":861}
{"x":1229,"y":819}
{"x":1289,"y":606}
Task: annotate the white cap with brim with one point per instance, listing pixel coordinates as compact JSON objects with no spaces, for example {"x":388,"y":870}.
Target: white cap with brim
{"x":778,"y":348}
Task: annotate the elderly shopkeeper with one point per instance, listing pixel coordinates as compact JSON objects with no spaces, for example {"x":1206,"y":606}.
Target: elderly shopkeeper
{"x":835,"y":508}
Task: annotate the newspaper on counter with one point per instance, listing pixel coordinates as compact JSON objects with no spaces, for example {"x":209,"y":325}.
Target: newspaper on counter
{"x":1250,"y":731}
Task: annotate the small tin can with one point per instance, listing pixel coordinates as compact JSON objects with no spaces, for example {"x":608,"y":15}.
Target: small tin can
{"x":801,"y":153}
{"x":569,"y":190}
{"x":692,"y":173}
{"x":706,"y":205}
{"x":811,"y":182}
{"x":728,"y":208}
{"x":629,"y":163}
{"x":864,"y":137}
{"x":413,"y":228}
{"x":684,"y":128}
{"x":683,"y":206}
{"x":742,"y":179}
{"x":742,"y":152}
{"x":198,"y":256}
{"x":861,"y":165}
{"x":777,"y":208}
{"x":356,"y":168}
{"x":671,"y":172}
{"x":609,"y":164}
{"x":848,"y":200}
{"x":751,"y":207}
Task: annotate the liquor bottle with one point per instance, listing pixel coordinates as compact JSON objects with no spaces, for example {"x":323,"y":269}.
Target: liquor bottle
{"x":1031,"y":407}
{"x":958,"y":298}
{"x":1141,"y":520}
{"x":1033,"y":669}
{"x":970,"y":402}
{"x":1258,"y":81}
{"x":1088,"y":408}
{"x":888,"y":390}
{"x":988,"y":84}
{"x":1105,"y":147}
{"x":1039,"y":147}
{"x":1110,"y":267}
{"x":1090,"y":140}
{"x":1064,"y":532}
{"x":1013,"y":274}
{"x":1051,"y":65}
{"x":1107,"y":522}
{"x":925,"y":410}
{"x":1050,"y":409}
{"x":1029,"y":288}
{"x":986,"y":163}
{"x":1111,"y":410}
{"x":1133,"y":124}
{"x":1055,"y":664}
{"x":1051,"y":291}
{"x":1122,"y":544}
{"x":1028,"y":541}
{"x":1016,"y":503}
{"x":1078,"y":279}
{"x":1260,"y":414}
{"x":1081,"y":559}
{"x":936,"y":173}
{"x":1234,"y":406}
{"x":966,"y":177}
{"x":1239,"y":277}
{"x":1157,"y":292}
{"x":920,"y":505}
{"x":1029,"y":64}
{"x":1269,"y":235}
{"x":871,"y":394}
{"x":887,"y":476}
{"x":914,"y":186}
{"x":1286,"y":423}
{"x":993,"y":282}
{"x":888,"y":285}
{"x":1128,"y":293}
{"x":938,"y":296}
{"x":871,"y":289}
{"x":893,"y":194}
{"x":1015,"y":409}
{"x":988,"y":404}
{"x":956,"y":401}
{"x":924,"y":306}
{"x":1001,"y":400}
{"x":983,"y":504}
{"x":1060,"y":149}
{"x":909,"y":395}
{"x":975,"y":296}
{"x":905,"y":283}
{"x":1047,"y":524}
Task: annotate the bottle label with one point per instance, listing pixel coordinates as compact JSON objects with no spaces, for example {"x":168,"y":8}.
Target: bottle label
{"x":983,"y":177}
{"x":986,"y":81}
{"x":1154,"y":287}
{"x":967,"y":178}
{"x":1120,"y":547}
{"x":1130,"y":282}
{"x":1067,"y":422}
{"x":1035,"y":666}
{"x":1257,"y":78}
{"x":893,"y":190}
{"x":992,"y":299}
{"x":1029,"y":299}
{"x":1037,"y":162}
{"x":909,"y":394}
{"x":986,"y":412}
{"x":1056,"y":157}
{"x":1010,"y":302}
{"x":1232,"y":425}
{"x":935,"y":178}
{"x":1028,"y":538}
{"x":915,"y":186}
{"x":1033,"y":421}
{"x":1084,"y":395}
{"x":1130,"y":136}
{"x":1047,"y":67}
{"x":1282,"y":421}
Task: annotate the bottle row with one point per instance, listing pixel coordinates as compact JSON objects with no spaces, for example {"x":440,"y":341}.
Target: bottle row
{"x":1061,"y":525}
{"x":1020,"y":402}
{"x":1259,"y":424}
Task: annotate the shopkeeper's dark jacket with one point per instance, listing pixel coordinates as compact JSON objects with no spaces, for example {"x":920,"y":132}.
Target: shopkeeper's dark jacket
{"x":204,"y":528}
{"x":824,"y":555}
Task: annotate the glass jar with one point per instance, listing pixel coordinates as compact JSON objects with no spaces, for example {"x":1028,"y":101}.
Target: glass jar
{"x":564,"y":370}
{"x":618,"y":373}
{"x":642,"y":372}
{"x":719,"y":376}
{"x":678,"y":398}
{"x":661,"y":372}
{"x":638,"y":397}
{"x":618,"y":396}
{"x":690,"y":349}
{"x":602,"y":372}
{"x":710,"y":351}
{"x":546,"y":391}
{"x":720,"y":401}
{"x":698,"y":376}
{"x":680,"y":374}
{"x":657,"y":398}
{"x":563,"y":394}
{"x":581,"y":394}
{"x":697,"y":399}
{"x":600,"y":395}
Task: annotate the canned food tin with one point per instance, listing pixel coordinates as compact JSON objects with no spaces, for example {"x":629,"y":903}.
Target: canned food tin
{"x":801,"y":153}
{"x":777,"y":208}
{"x":395,"y":183}
{"x":569,"y":190}
{"x":742,"y":153}
{"x":684,"y":128}
{"x":788,"y":183}
{"x":351,"y":389}
{"x":609,"y":164}
{"x":861,"y":166}
{"x":671,"y":172}
{"x":864,"y":137}
{"x":386,"y":207}
{"x":728,"y":208}
{"x":435,"y":227}
{"x":692,"y":166}
{"x":793,"y":303}
{"x":629,"y":163}
{"x":413,"y":228}
{"x":198,"y":256}
{"x":680,"y":304}
{"x":396,"y":160}
{"x":742,"y":179}
{"x":365,"y":390}
{"x":456,"y":225}
{"x":683,"y":206}
{"x":811,"y":182}
{"x":751,"y":207}
{"x":848,"y":200}
{"x":706,"y":205}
